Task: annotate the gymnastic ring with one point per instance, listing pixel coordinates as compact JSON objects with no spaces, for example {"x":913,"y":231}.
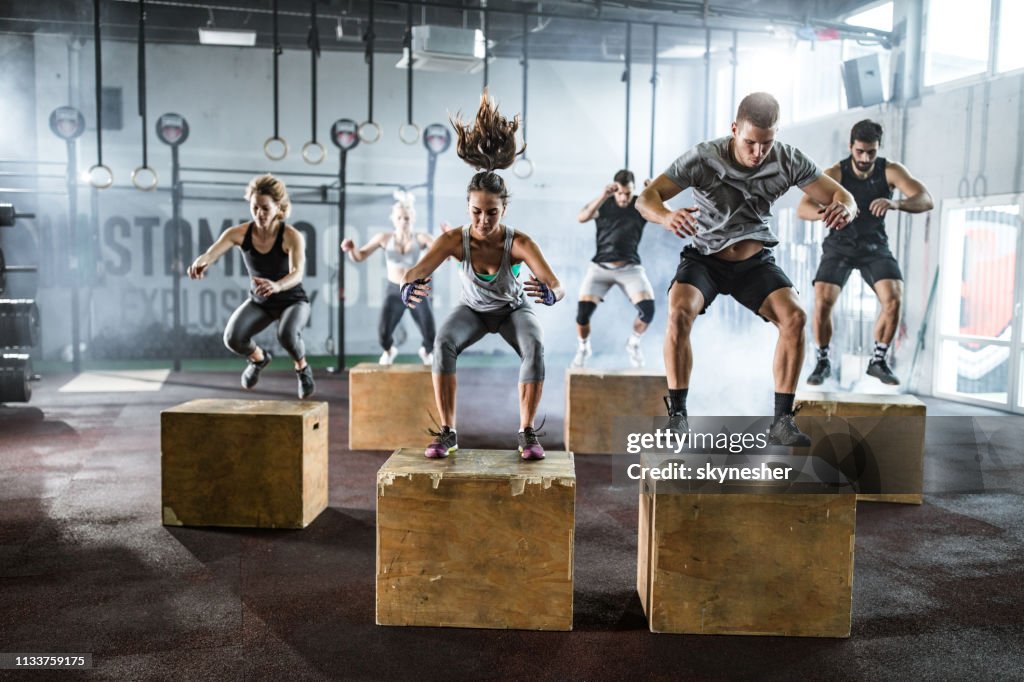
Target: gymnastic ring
{"x":313,"y":152}
{"x":267,"y":146}
{"x":963,"y":190}
{"x":141,"y":171}
{"x":983,"y":181}
{"x":523,"y":168}
{"x":409,"y":133}
{"x":365,"y":137}
{"x":101,"y":184}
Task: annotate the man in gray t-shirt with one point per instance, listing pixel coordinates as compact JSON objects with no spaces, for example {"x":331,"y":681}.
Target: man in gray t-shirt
{"x":735,"y":181}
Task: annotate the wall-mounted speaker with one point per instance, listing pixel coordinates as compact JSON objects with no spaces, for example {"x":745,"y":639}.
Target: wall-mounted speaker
{"x":863,"y":80}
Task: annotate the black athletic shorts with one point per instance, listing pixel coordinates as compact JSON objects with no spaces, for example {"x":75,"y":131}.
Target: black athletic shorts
{"x":749,"y":281}
{"x":874,"y":264}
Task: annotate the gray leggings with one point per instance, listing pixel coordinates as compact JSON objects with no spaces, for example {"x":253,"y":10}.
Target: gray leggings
{"x":518,"y":327}
{"x":250,"y":318}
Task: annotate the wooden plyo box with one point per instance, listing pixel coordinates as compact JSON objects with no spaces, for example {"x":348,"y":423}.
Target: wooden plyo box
{"x":389,"y":406}
{"x":478,"y":540}
{"x":246,"y":463}
{"x":746,"y":564}
{"x":891,"y":427}
{"x":595,"y":397}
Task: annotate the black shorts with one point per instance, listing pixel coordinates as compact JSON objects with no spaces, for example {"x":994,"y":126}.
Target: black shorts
{"x":874,"y":265}
{"x":749,"y":281}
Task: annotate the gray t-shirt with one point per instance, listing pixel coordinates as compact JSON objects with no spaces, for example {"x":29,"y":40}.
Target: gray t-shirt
{"x":735,"y":203}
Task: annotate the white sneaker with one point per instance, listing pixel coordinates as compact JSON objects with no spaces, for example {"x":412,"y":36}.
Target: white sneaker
{"x":583,"y":352}
{"x":636,"y":355}
{"x":388,"y":356}
{"x":427,"y":358}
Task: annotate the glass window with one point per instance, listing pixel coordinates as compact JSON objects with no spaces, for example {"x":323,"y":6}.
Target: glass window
{"x":818,"y":83}
{"x":1020,"y":384}
{"x":973,"y":369}
{"x":956,"y":41}
{"x":1010,"y":50}
{"x":805,"y":77}
{"x":878,"y":17}
{"x":977,"y":300}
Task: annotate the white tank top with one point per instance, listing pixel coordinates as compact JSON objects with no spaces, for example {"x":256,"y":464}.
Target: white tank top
{"x":403,"y":260}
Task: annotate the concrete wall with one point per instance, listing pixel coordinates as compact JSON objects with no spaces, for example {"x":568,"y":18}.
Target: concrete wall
{"x":940,"y":147}
{"x":575,"y":126}
{"x":575,"y":129}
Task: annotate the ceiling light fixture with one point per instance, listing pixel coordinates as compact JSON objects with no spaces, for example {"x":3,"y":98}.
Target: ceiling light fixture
{"x":211,"y":35}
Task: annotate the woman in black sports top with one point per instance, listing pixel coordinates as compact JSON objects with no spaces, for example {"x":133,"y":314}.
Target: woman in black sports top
{"x":275,"y":256}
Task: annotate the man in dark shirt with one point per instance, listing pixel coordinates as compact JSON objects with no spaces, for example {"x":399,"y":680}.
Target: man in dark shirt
{"x":863,"y":245}
{"x":617,"y":263}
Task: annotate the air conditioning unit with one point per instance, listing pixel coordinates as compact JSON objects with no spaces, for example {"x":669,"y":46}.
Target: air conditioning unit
{"x":445,"y":48}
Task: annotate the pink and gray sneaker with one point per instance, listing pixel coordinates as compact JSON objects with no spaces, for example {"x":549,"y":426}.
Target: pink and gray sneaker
{"x":444,"y":444}
{"x":529,"y":446}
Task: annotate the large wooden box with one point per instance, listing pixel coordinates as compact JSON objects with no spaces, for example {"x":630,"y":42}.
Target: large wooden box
{"x":885,"y":434}
{"x":595,"y":397}
{"x":481,"y":540}
{"x":247,"y":463}
{"x":389,"y":406}
{"x":746,"y":563}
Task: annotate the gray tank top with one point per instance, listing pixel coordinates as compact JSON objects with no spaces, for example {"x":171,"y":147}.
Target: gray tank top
{"x":503,"y":292}
{"x":403,"y":260}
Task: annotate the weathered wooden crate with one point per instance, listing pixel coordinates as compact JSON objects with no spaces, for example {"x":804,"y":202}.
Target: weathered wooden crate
{"x":746,"y":563}
{"x":594,"y":398}
{"x":389,"y":406}
{"x":888,"y":430}
{"x":248,"y":463}
{"x":481,"y":539}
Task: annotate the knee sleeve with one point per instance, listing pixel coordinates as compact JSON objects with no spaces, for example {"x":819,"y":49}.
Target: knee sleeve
{"x":645,"y":311}
{"x":584,"y":309}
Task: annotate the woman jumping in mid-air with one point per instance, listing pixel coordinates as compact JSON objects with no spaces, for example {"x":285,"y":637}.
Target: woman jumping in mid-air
{"x":493,"y":300}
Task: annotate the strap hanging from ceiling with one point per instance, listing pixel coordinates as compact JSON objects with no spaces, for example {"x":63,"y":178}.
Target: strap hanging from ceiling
{"x":369,"y":130}
{"x":409,"y":132}
{"x":487,"y":45}
{"x":143,"y":177}
{"x":523,"y":167}
{"x":627,"y":77}
{"x":313,"y":152}
{"x":276,"y":148}
{"x":100,"y":176}
{"x":654,"y":94}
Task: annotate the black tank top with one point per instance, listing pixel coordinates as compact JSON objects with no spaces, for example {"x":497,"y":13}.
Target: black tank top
{"x":867,"y":231}
{"x":272,"y":265}
{"x":618,"y":232}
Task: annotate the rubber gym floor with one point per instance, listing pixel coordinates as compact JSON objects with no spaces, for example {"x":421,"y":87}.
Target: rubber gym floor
{"x":87,"y":567}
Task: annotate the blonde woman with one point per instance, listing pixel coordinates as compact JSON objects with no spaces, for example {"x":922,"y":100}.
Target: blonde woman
{"x":275,"y":256}
{"x":402,"y":248}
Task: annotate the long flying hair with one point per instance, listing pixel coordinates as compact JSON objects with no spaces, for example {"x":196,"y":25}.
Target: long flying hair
{"x":488,"y":144}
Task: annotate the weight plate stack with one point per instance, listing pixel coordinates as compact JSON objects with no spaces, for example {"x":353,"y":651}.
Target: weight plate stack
{"x":19,"y":323}
{"x":15,"y":378}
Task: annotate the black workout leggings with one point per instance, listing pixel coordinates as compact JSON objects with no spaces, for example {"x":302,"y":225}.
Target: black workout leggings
{"x":250,"y":318}
{"x":391,"y":315}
